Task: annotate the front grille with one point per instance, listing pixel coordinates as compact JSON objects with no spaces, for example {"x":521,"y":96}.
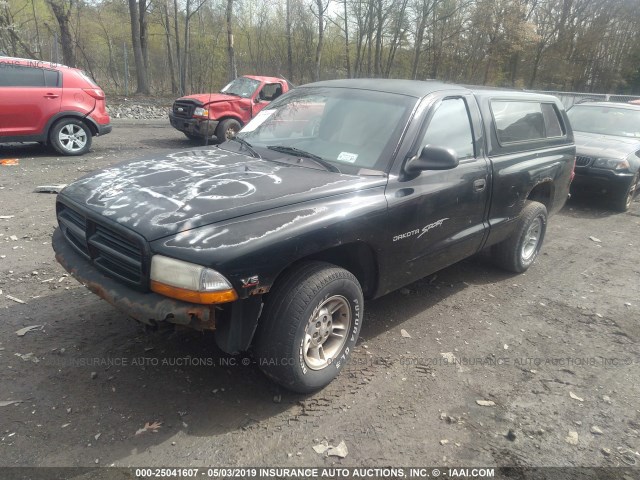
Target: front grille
{"x":583,"y":161}
{"x":114,"y":251}
{"x":184,"y":108}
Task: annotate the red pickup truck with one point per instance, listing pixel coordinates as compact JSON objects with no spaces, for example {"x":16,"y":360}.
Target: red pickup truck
{"x":223,"y":114}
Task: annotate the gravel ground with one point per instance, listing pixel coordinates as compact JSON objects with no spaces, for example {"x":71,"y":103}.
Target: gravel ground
{"x":495,"y":369}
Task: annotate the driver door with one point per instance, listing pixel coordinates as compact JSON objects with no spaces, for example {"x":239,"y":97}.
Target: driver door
{"x":438,"y":217}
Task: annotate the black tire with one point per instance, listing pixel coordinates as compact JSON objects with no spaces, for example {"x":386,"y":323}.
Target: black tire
{"x":297,"y":304}
{"x":622,"y":201}
{"x":70,"y":137}
{"x":227,"y":129}
{"x":518,"y":252}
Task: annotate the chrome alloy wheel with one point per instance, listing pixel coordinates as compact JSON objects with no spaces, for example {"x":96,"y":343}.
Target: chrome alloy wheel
{"x":72,"y":137}
{"x":531,"y":240}
{"x":326,"y":332}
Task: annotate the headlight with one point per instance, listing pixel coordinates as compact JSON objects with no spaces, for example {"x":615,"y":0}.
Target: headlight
{"x":189,"y":282}
{"x":201,"y":112}
{"x":611,"y":163}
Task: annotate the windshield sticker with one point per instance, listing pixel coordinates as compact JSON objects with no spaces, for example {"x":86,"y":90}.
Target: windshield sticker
{"x":258,"y":120}
{"x":347,"y":157}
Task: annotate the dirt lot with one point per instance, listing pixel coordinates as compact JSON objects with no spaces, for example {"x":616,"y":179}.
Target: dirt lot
{"x":556,"y":349}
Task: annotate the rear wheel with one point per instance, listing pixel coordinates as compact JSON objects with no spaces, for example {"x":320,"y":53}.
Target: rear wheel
{"x":227,"y":129}
{"x":623,"y":201}
{"x":70,"y":136}
{"x":309,"y":327}
{"x":518,"y":252}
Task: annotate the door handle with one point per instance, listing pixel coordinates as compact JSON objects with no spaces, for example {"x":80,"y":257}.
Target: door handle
{"x":479,"y":185}
{"x":51,"y":95}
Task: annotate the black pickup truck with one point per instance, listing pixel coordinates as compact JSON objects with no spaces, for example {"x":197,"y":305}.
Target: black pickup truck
{"x":337,"y":192}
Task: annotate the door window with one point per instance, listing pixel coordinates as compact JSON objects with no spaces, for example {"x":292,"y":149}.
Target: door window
{"x":450,"y":127}
{"x":20,"y":76}
{"x":52,"y":78}
{"x":270,"y":91}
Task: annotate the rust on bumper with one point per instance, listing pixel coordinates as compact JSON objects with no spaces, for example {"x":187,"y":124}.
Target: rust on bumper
{"x":149,"y":308}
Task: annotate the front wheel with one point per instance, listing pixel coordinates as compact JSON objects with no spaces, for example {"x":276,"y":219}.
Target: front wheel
{"x":518,"y":252}
{"x":310,"y":326}
{"x":622,"y":202}
{"x":70,"y":136}
{"x":227,"y":129}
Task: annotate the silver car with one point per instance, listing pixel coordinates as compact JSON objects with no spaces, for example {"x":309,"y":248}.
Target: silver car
{"x":607,"y":139}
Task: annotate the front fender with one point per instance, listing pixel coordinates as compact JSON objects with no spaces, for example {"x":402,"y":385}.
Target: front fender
{"x":251,"y":251}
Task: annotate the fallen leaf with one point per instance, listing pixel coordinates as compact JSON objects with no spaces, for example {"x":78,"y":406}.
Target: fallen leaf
{"x":17,"y":300}
{"x":149,"y":427}
{"x":23,"y":331}
{"x":340,"y":451}
{"x":321,"y":447}
{"x":485,"y":403}
{"x":404,"y":333}
{"x":572,"y":438}
{"x":6,"y":403}
{"x":9,"y":161}
{"x":576,"y":397}
{"x":594,"y":239}
{"x":28,"y":356}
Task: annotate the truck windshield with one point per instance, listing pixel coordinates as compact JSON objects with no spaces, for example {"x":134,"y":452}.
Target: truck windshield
{"x":604,"y":120}
{"x":352,"y":129}
{"x":242,"y":87}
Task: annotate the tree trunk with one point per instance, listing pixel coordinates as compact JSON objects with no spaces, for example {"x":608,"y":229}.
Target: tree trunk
{"x":176,"y":30}
{"x":233,"y":68}
{"x":316,"y":73}
{"x":346,"y":41}
{"x":62,"y":12}
{"x":144,"y":36}
{"x":289,"y":48}
{"x":170,"y":60}
{"x":141,"y":71}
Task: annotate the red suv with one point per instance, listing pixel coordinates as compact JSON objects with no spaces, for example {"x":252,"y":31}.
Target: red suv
{"x":51,"y":104}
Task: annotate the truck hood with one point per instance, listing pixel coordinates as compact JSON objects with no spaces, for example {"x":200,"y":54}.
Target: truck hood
{"x":609,"y":146}
{"x":208,"y":98}
{"x":161,"y":196}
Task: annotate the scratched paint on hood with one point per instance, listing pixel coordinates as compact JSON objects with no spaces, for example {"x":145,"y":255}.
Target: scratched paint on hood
{"x":161,"y":196}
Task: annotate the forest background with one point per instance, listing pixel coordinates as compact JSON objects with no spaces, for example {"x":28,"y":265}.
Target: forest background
{"x":176,"y":47}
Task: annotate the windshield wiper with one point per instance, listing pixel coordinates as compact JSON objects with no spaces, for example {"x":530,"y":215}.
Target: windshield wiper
{"x":247,"y":145}
{"x":231,"y":93}
{"x":301,"y":153}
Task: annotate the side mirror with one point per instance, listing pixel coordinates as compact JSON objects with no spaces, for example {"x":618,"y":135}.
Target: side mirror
{"x":432,"y":158}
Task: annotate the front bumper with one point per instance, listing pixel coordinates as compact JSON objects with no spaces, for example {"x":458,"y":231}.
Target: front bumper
{"x":601,"y":180}
{"x":194,"y":126}
{"x":149,"y":308}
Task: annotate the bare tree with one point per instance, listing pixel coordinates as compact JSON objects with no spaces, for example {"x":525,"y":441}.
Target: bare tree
{"x":138,"y":56}
{"x":231,"y":55}
{"x":320,"y":14}
{"x":62,"y":11}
